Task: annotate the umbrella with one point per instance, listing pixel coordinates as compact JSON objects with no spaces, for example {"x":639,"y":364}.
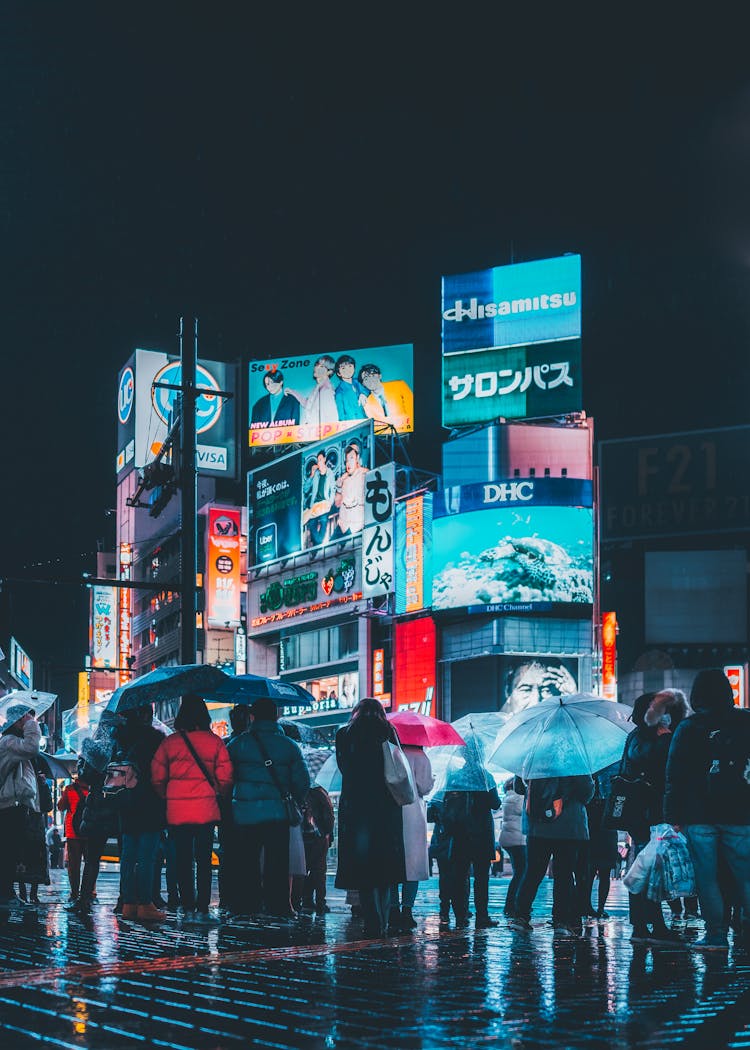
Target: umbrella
{"x":567,"y":736}
{"x":245,"y":688}
{"x":417,"y":730}
{"x":18,"y":702}
{"x":56,"y":769}
{"x":469,"y":768}
{"x":329,"y":775}
{"x":167,"y":683}
{"x":315,"y":758}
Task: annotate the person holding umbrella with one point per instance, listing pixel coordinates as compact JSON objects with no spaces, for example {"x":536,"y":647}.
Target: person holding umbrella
{"x":20,"y":738}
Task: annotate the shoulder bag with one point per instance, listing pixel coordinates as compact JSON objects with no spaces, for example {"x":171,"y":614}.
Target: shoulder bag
{"x":200,"y":764}
{"x":291,"y":810}
{"x":398,"y":775}
{"x":626,"y":806}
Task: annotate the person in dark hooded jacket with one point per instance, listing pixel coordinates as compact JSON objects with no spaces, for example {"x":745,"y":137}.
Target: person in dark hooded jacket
{"x":708,"y":796}
{"x":645,"y":758}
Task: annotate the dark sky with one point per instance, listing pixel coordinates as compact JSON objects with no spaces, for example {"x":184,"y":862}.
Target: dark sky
{"x":301,"y":185}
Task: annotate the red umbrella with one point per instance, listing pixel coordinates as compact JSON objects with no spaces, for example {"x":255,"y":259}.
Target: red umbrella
{"x":422,"y":731}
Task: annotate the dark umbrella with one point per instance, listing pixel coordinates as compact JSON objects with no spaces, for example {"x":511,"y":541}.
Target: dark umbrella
{"x":57,"y":770}
{"x":167,"y":683}
{"x":245,"y":688}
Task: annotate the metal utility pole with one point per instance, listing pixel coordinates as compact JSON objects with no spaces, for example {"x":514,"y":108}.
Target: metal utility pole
{"x":188,"y":492}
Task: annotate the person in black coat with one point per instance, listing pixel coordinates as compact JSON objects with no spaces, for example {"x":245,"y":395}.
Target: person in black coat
{"x":99,"y":821}
{"x":645,"y":758}
{"x":708,"y":798}
{"x":371,"y":841}
{"x":467,"y":822}
{"x":142,"y":816}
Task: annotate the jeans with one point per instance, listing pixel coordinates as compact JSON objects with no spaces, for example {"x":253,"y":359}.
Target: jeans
{"x":709,"y":844}
{"x":539,"y":851}
{"x":137,"y":866}
{"x":517,"y":856}
{"x":463,"y":858}
{"x":92,"y":858}
{"x":193,"y":846}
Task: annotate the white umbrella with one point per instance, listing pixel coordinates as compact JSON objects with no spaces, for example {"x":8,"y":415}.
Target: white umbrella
{"x":568,"y":736}
{"x":18,"y":702}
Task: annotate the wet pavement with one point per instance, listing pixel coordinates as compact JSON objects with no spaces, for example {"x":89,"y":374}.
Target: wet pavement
{"x":315,"y":983}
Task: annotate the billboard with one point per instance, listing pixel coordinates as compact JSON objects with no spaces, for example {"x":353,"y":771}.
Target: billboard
{"x":308,"y":398}
{"x":144,"y":412}
{"x":103,"y":640}
{"x":413,"y":561}
{"x":528,"y":680}
{"x":415,"y":665}
{"x":21,"y":665}
{"x":684,"y":483}
{"x":542,"y":379}
{"x":309,"y":498}
{"x":530,"y":302}
{"x":223,"y":567}
{"x":299,"y":596}
{"x":377,"y":537}
{"x":514,"y":546}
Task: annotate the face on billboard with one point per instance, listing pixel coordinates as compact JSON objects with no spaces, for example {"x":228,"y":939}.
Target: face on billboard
{"x":505,"y":559}
{"x":530,"y":680}
{"x":301,"y":399}
{"x":530,"y":302}
{"x":310,"y":498}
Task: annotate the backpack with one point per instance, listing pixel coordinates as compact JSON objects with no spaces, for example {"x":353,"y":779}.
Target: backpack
{"x":541,"y":801}
{"x":78,"y":815}
{"x":729,"y":772}
{"x":121,"y":775}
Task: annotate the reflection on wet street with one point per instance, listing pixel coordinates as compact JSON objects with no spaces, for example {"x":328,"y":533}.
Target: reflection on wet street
{"x":315,"y":983}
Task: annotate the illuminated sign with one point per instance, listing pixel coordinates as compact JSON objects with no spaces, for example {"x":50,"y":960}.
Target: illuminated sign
{"x":530,"y":302}
{"x":609,"y":655}
{"x":377,"y":537}
{"x":125,"y":647}
{"x":301,"y":399}
{"x":523,"y":554}
{"x":145,"y":411}
{"x":332,"y":693}
{"x":223,"y":567}
{"x":304,"y":588}
{"x":413,"y":529}
{"x":415,"y":665}
{"x":103,"y":630}
{"x":521,"y":382}
{"x":305,"y":594}
{"x":84,"y":690}
{"x":21,"y":665}
{"x":309,"y":498}
{"x":378,"y":672}
{"x":736,"y":675}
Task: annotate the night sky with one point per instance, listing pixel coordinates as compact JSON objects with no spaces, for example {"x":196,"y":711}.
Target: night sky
{"x":301,"y":185}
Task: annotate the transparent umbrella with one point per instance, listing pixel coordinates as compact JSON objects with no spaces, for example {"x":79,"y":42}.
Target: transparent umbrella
{"x":567,"y":736}
{"x":19,"y":702}
{"x":468,"y":768}
{"x":329,"y":775}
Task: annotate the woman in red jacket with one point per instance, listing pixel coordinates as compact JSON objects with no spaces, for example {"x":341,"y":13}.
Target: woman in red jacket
{"x":191,"y":768}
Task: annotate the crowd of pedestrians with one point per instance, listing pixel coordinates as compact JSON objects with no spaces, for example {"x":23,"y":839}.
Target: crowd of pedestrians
{"x":162,"y":797}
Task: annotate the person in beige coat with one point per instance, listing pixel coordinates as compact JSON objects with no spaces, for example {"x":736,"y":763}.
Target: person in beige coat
{"x":415,"y":841}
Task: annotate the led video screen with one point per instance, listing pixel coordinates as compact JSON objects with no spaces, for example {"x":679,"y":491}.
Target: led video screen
{"x":520,"y":546}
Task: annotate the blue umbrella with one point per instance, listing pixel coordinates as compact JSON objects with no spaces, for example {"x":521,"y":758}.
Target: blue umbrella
{"x":167,"y":683}
{"x":245,"y":688}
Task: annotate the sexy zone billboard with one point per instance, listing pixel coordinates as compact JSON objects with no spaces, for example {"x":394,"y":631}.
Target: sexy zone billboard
{"x":514,"y":546}
{"x":311,"y":398}
{"x":309,"y":498}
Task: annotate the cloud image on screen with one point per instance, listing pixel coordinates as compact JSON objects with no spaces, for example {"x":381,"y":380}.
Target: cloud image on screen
{"x":542,"y":554}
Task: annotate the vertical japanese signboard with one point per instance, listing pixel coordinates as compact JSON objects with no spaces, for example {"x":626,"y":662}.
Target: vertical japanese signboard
{"x":125,"y":647}
{"x":223,"y":567}
{"x":414,"y":557}
{"x":377,"y":536}
{"x":609,"y":655}
{"x":736,"y":675}
{"x":103,"y":640}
